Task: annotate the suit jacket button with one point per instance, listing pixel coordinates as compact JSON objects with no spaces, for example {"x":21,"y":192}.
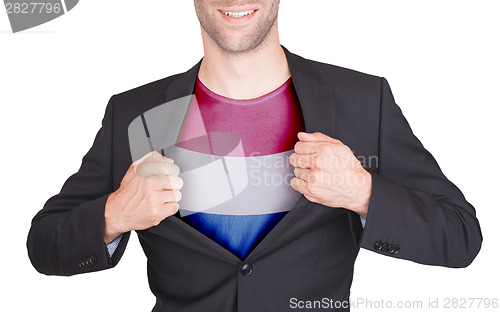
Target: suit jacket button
{"x":378,"y":245}
{"x":384,"y":246}
{"x":390,"y":249}
{"x":83,"y":263}
{"x":246,"y":269}
{"x":93,"y":260}
{"x":396,"y":249}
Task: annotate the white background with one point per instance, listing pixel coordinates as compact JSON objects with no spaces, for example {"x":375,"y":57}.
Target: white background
{"x":440,"y":58}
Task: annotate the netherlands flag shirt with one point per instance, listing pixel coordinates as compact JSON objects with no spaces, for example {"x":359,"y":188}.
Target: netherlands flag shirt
{"x":243,"y":191}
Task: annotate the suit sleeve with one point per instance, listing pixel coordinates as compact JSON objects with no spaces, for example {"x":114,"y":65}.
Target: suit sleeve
{"x":415,"y":212}
{"x":67,"y":236}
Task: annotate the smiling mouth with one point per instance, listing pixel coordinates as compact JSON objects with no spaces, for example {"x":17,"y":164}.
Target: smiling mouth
{"x":238,"y":14}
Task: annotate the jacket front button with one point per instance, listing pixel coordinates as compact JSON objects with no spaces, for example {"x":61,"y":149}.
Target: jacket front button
{"x":246,"y":269}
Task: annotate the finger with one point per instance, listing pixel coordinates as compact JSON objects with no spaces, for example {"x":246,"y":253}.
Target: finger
{"x":143,"y":158}
{"x":316,"y":137}
{"x":172,"y":169}
{"x":168,"y":196}
{"x":170,"y":208}
{"x":302,"y":161}
{"x":310,"y":147}
{"x":152,"y":156}
{"x":301,"y":186}
{"x":302,"y":147}
{"x":157,"y":157}
{"x":168,"y":160}
{"x":301,"y":173}
{"x":172,"y":183}
{"x":157,"y":170}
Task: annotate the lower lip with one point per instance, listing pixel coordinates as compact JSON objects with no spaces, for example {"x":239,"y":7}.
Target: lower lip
{"x":237,"y":20}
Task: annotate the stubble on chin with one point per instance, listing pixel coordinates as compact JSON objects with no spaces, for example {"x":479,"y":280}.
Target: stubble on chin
{"x":248,"y":43}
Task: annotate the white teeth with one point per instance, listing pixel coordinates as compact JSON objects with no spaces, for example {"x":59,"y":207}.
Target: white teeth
{"x":239,"y":14}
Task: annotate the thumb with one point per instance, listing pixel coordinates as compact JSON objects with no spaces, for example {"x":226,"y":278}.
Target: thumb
{"x":152,"y":156}
{"x":316,"y":137}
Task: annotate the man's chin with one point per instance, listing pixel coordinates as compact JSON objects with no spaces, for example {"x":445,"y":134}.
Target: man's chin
{"x":239,"y":46}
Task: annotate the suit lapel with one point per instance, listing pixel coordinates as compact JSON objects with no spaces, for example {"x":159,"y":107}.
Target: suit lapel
{"x":317,"y":105}
{"x":183,"y":84}
{"x":318,"y":108}
{"x":316,"y":98}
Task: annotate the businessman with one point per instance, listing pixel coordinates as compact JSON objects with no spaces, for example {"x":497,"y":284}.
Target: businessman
{"x":190,"y":163}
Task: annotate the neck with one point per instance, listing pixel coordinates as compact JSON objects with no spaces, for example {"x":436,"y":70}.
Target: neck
{"x":244,"y":75}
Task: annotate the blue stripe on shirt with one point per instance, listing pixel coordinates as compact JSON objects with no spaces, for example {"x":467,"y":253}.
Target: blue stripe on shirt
{"x":237,"y":233}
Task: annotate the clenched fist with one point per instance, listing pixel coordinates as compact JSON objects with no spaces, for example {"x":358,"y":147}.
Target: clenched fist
{"x":327,"y":172}
{"x":148,"y":193}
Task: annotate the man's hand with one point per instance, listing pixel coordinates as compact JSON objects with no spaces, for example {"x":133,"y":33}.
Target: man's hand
{"x":148,"y":193}
{"x":327,"y":172}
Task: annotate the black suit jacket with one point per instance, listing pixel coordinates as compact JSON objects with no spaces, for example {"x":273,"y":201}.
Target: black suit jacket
{"x":415,"y":212}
